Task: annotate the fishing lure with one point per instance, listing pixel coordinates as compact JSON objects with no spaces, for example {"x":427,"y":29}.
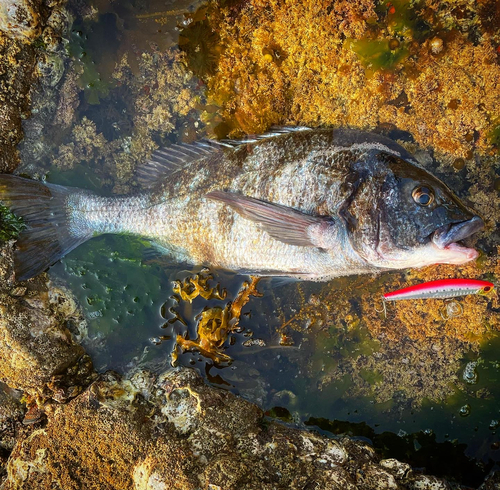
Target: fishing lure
{"x":441,"y":289}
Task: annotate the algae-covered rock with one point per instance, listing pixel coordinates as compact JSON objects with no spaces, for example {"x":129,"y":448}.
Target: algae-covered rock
{"x":427,"y":67}
{"x":27,"y":30}
{"x":175,"y":432}
{"x":17,"y":73}
{"x":11,"y":416}
{"x":38,"y":354}
{"x":21,"y":18}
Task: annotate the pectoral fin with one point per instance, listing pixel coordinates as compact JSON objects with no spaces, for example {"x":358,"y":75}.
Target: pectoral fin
{"x":281,"y":222}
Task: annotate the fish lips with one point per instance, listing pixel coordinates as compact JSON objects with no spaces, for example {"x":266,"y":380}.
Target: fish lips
{"x":452,"y":233}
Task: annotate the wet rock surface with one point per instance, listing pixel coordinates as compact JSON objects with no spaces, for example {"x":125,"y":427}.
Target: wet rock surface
{"x":173,"y":431}
{"x":28,"y":31}
{"x":11,"y":416}
{"x":21,"y":18}
{"x":38,"y":354}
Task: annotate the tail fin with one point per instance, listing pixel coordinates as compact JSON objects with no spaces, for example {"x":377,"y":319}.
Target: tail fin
{"x":47,"y":236}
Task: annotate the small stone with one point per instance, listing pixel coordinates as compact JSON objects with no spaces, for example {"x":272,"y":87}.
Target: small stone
{"x":464,"y":411}
{"x":397,"y":468}
{"x":20,"y":19}
{"x":470,"y":374}
{"x":33,"y":416}
{"x":254,"y":342}
{"x":437,"y":45}
{"x":393,"y":44}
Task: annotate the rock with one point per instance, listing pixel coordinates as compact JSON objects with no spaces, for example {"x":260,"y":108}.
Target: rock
{"x":38,"y":354}
{"x":424,"y":482}
{"x":20,"y":19}
{"x":11,"y":416}
{"x":492,"y":481}
{"x":174,"y":432}
{"x":24,"y":24}
{"x":396,"y":468}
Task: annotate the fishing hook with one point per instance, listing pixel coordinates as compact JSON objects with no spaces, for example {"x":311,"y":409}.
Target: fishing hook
{"x":384,"y":308}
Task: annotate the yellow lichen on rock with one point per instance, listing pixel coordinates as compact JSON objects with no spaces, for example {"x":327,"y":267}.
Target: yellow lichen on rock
{"x":295,"y":62}
{"x":414,"y":352}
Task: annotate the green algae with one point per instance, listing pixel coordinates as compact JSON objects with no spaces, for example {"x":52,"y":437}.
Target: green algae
{"x":91,"y":81}
{"x":119,"y":295}
{"x":402,"y":18}
{"x":377,"y":54}
{"x":10,"y":224}
{"x":495,"y":137}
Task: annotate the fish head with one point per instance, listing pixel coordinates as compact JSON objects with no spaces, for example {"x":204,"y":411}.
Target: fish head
{"x":405,"y":217}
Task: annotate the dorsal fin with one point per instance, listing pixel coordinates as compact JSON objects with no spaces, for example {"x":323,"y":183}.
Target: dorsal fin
{"x":174,"y":158}
{"x":273,"y":132}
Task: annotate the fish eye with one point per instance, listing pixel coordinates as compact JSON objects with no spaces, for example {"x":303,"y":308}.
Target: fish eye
{"x":486,"y":289}
{"x":423,"y":196}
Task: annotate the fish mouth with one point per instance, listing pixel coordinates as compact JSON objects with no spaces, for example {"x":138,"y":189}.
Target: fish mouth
{"x":445,"y":238}
{"x":453,"y":232}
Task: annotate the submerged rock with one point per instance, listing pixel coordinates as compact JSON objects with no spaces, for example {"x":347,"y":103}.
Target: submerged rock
{"x":21,"y":18}
{"x":38,"y":354}
{"x":174,"y":432}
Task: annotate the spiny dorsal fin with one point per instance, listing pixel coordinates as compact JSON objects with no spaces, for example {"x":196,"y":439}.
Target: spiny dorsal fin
{"x":273,"y":132}
{"x":174,"y":158}
{"x":171,"y":159}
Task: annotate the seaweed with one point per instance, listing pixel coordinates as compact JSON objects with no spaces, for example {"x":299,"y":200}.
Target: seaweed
{"x":495,"y":136}
{"x":10,"y":224}
{"x":377,"y":54}
{"x":215,"y":324}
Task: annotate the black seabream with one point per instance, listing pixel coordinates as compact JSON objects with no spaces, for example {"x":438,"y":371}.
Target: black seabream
{"x":303,"y":203}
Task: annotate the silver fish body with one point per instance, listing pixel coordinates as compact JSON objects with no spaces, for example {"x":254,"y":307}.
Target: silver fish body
{"x":310,"y":204}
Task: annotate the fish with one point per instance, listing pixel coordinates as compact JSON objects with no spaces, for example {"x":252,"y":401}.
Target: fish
{"x":310,"y":204}
{"x":442,"y":289}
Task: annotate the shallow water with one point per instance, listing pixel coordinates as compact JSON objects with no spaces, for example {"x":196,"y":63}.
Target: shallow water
{"x":126,"y":294}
